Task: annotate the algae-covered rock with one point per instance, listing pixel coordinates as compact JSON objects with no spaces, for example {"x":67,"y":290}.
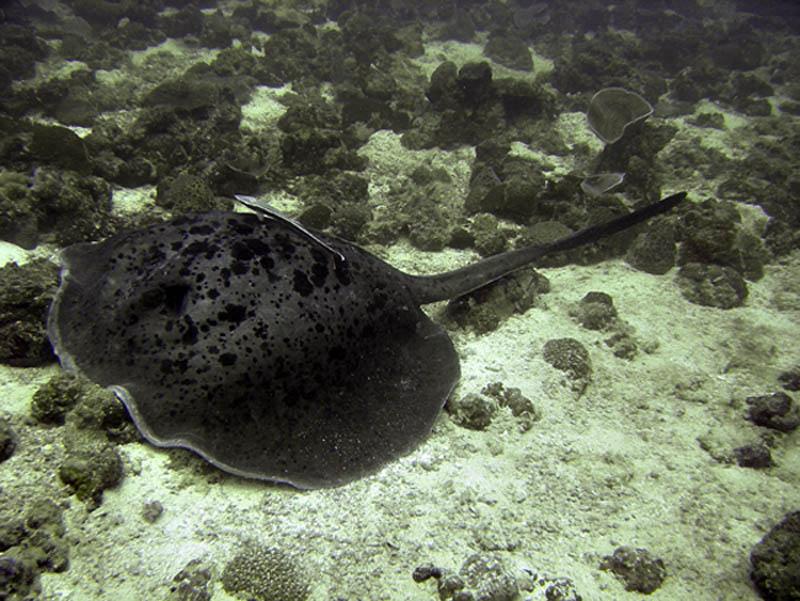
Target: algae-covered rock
{"x":712,"y":285}
{"x":32,"y":538}
{"x":25,"y":295}
{"x":76,"y":208}
{"x":191,"y":583}
{"x":18,"y":215}
{"x":775,"y":561}
{"x":56,"y":397}
{"x":76,"y":400}
{"x":521,"y":406}
{"x":265,"y":573}
{"x":19,"y":578}
{"x":489,"y":578}
{"x":637,"y":568}
{"x":90,"y":466}
{"x":100,"y":411}
{"x":473,"y":411}
{"x":187,"y":193}
{"x":484,"y":309}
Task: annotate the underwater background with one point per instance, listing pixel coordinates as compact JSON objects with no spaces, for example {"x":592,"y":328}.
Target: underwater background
{"x":626,"y":421}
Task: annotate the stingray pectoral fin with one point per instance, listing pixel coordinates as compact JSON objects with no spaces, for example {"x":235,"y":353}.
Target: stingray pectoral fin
{"x":379,"y":411}
{"x":444,"y":286}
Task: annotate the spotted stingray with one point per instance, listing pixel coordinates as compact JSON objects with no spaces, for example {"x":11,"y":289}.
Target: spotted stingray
{"x":273,"y":351}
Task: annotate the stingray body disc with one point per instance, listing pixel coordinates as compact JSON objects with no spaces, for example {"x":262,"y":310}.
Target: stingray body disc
{"x":244,"y":340}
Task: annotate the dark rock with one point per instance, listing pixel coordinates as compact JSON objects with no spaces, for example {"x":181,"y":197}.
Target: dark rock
{"x":637,"y":568}
{"x":748,"y":84}
{"x":775,"y":561}
{"x":712,"y":285}
{"x":509,"y":50}
{"x":219,"y":31}
{"x":753,"y":455}
{"x":777,"y":411}
{"x":594,"y":61}
{"x":460,"y":27}
{"x":8,"y":439}
{"x":183,"y":94}
{"x":61,"y":147}
{"x":754,"y":107}
{"x":516,"y":196}
{"x":443,"y":89}
{"x":741,"y":53}
{"x":188,"y":20}
{"x":474,"y":81}
{"x":596,"y":311}
{"x":425,"y":572}
{"x":20,"y":49}
{"x":524,"y":98}
{"x":317,"y":216}
{"x":271,"y":20}
{"x":653,"y":251}
{"x":25,"y":295}
{"x":790,"y":379}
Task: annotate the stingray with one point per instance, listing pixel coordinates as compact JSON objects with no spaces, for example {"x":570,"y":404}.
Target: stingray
{"x":273,"y":351}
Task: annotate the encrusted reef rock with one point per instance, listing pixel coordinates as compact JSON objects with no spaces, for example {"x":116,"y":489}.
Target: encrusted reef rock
{"x":571,"y":357}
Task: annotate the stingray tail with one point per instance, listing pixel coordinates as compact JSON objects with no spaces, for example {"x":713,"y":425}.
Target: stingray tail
{"x":428,"y":289}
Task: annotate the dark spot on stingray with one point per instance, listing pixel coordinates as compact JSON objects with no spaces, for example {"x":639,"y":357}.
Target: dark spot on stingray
{"x":227,"y":359}
{"x":319,"y":273}
{"x":175,"y":297}
{"x":201,"y":230}
{"x":295,"y":376}
{"x":234,"y":313}
{"x":239,"y":268}
{"x":190,"y":331}
{"x":241,"y":251}
{"x":201,"y":248}
{"x":301,"y":284}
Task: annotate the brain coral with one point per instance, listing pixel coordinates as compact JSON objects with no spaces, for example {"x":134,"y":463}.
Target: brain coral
{"x":265,"y":574}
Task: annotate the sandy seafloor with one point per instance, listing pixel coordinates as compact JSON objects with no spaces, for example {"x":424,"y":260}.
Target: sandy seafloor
{"x":620,"y":464}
